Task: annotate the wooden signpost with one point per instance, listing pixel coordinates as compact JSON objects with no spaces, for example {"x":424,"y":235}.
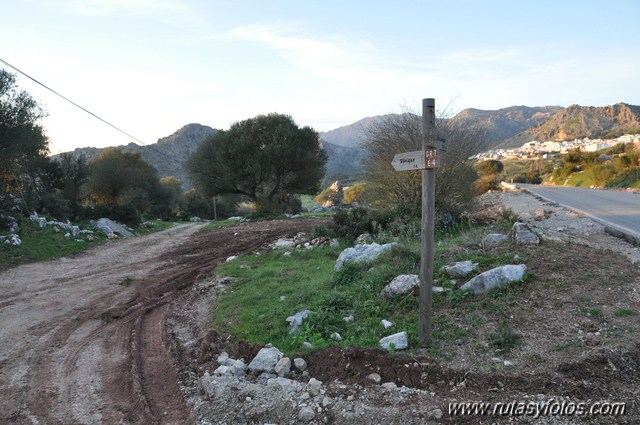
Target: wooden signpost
{"x":426,"y":160}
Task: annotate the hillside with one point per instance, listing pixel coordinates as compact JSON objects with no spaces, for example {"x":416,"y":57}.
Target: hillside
{"x":350,"y":135}
{"x":504,"y":123}
{"x":343,"y":159}
{"x":167,"y":155}
{"x":576,"y":122}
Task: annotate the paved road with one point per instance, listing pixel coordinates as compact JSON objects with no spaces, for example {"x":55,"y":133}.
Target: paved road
{"x":619,"y":210}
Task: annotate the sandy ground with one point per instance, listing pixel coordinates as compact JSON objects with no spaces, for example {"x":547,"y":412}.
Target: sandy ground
{"x":84,"y":338}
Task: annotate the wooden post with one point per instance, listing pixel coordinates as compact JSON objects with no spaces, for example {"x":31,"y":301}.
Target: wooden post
{"x":428,"y":223}
{"x":215,"y":210}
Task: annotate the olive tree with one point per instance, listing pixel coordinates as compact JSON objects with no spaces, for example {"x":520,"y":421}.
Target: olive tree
{"x":268,"y":159}
{"x":23,"y":143}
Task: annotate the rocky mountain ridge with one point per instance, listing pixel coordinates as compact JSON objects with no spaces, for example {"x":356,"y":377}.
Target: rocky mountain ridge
{"x":576,"y":122}
{"x":169,"y":154}
{"x":506,"y":127}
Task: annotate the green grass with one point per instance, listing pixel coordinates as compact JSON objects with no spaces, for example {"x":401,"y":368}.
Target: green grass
{"x":47,"y":244}
{"x":251,"y":308}
{"x":581,"y":179}
{"x":625,"y":312}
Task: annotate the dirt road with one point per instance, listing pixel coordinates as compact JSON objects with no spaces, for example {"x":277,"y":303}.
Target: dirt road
{"x":84,"y":339}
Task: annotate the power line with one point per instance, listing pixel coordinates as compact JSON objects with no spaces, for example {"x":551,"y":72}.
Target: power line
{"x":72,"y":102}
{"x":140,"y":142}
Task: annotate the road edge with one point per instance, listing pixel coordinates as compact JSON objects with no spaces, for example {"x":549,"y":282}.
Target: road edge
{"x":620,"y":232}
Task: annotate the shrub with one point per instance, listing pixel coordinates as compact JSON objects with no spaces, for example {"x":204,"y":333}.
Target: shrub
{"x":488,"y":182}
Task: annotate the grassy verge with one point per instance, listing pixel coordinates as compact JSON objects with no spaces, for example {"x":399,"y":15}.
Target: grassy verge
{"x":270,"y":287}
{"x":47,"y":243}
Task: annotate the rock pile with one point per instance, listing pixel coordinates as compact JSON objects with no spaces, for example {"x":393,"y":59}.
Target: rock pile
{"x":301,"y":240}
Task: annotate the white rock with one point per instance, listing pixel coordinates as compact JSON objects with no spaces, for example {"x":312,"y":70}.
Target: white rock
{"x":306,"y":414}
{"x":223,"y":358}
{"x":386,"y":324}
{"x":349,"y":319}
{"x":284,"y":243}
{"x":522,"y":235}
{"x":110,"y":227}
{"x":336,"y":336}
{"x":266,"y":360}
{"x":223,"y":370}
{"x":300,"y":364}
{"x":461,"y":268}
{"x":314,"y":386}
{"x":283,"y":366}
{"x":495,"y":278}
{"x":401,"y":285}
{"x":233,"y":257}
{"x":360,"y":253}
{"x":374,"y":377}
{"x":296,"y":320}
{"x":400,"y":341}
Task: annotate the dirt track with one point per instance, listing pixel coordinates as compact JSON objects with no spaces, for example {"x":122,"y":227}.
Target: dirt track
{"x":84,"y":338}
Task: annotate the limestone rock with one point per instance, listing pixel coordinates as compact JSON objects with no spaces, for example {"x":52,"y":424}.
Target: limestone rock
{"x":521,"y":234}
{"x":110,"y":227}
{"x":400,"y":341}
{"x":283,"y":367}
{"x":461,"y":268}
{"x":300,"y":364}
{"x":306,"y":414}
{"x":266,"y":360}
{"x":401,"y":285}
{"x":495,"y":278}
{"x":360,"y":253}
{"x":314,"y":386}
{"x":295,"y":321}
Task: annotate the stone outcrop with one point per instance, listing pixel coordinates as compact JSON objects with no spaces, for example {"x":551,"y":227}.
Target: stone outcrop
{"x":461,"y":268}
{"x":521,"y":234}
{"x":361,"y":253}
{"x":399,"y":341}
{"x":401,"y":285}
{"x":495,"y":278}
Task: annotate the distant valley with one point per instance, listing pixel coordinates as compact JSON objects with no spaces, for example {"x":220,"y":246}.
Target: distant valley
{"x":507,"y":127}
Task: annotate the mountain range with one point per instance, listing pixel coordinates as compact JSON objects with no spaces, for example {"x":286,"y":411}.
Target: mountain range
{"x":504,"y":128}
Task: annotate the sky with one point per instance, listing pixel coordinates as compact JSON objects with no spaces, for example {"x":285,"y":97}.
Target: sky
{"x":150,"y":67}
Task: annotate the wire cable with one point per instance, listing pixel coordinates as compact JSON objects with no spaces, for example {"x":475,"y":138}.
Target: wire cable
{"x":72,"y":102}
{"x":139,"y":142}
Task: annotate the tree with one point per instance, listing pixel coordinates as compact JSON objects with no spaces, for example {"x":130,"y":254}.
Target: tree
{"x":398,"y":133}
{"x":74,"y":172}
{"x":123,"y":178}
{"x":22,"y":139}
{"x":268,"y":159}
{"x":355,"y":193}
{"x":489,"y":167}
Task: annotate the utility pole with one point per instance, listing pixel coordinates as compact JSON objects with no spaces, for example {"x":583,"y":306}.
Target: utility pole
{"x":428,"y":221}
{"x":426,"y":160}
